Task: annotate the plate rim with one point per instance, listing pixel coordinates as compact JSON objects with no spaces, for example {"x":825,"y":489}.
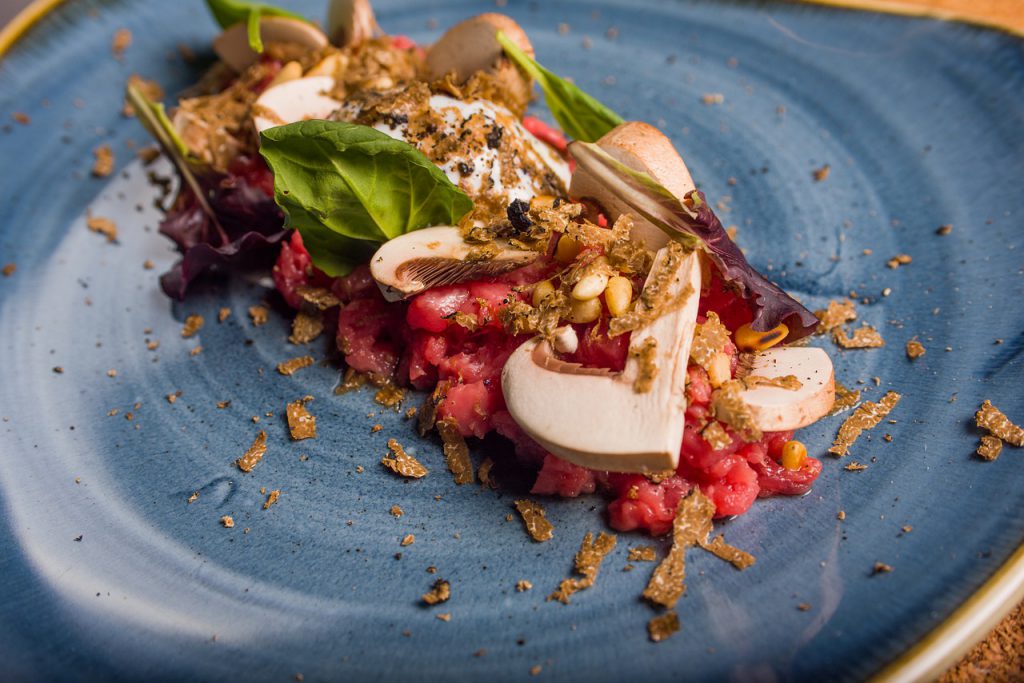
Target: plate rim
{"x":968,"y":624}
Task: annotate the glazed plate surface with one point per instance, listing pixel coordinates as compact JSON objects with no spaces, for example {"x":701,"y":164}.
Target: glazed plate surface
{"x":108,"y":573}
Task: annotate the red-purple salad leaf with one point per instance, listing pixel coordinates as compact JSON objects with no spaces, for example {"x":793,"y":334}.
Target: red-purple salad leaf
{"x":248,"y":221}
{"x":696,"y":225}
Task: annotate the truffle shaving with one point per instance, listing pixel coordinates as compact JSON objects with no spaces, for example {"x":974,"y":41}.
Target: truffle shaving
{"x":319,"y":297}
{"x":401,"y":463}
{"x":588,"y":561}
{"x":990,"y":447}
{"x":731,"y":554}
{"x":691,"y":525}
{"x":709,"y":338}
{"x":647,"y":372}
{"x":864,"y":337}
{"x":655,"y":299}
{"x":255,"y":453}
{"x":293,"y":365}
{"x":306,"y":327}
{"x":661,"y":627}
{"x":535,"y":521}
{"x":839,"y":311}
{"x":301,"y":423}
{"x":867,"y":416}
{"x":456,"y":452}
{"x":997,"y":424}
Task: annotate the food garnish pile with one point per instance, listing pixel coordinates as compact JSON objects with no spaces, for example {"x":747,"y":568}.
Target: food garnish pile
{"x":567,"y":288}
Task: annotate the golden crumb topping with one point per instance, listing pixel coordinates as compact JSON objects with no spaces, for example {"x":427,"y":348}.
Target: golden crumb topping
{"x":271,"y":498}
{"x":440,"y":592}
{"x":915,"y":349}
{"x":259,"y":315}
{"x":102,"y":226}
{"x":103,"y":165}
{"x":643,"y":553}
{"x":535,"y":520}
{"x":867,"y":416}
{"x":655,"y":299}
{"x":318,"y":297}
{"x":729,"y":407}
{"x":990,"y":447}
{"x":709,"y":339}
{"x":845,"y":399}
{"x":714,"y":435}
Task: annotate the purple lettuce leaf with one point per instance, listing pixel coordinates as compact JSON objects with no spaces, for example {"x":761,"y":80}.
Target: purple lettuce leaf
{"x":697,"y":225}
{"x":247,"y":223}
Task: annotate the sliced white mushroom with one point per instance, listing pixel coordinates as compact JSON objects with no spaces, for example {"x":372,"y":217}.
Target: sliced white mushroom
{"x":232,"y":46}
{"x":644,"y":148}
{"x":775,"y":409}
{"x":596,"y":419}
{"x":421,"y":259}
{"x":471,"y":46}
{"x":350,"y":22}
{"x":298,"y":100}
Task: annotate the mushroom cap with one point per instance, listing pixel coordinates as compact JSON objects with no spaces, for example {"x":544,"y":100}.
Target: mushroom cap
{"x":431,"y":257}
{"x":774,"y":409}
{"x":471,"y":46}
{"x":642,"y":147}
{"x":298,"y":100}
{"x":350,"y":22}
{"x":232,"y":46}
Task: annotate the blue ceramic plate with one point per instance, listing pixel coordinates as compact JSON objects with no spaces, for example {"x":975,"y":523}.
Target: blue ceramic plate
{"x":109,"y":573}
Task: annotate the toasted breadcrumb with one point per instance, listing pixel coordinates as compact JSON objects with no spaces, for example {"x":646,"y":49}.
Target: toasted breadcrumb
{"x":712,"y":98}
{"x":881,"y":568}
{"x":899,"y":260}
{"x":223,"y":314}
{"x":396,"y":511}
{"x":867,"y":416}
{"x":535,"y":520}
{"x":301,"y":423}
{"x":522,"y":585}
{"x":102,"y":226}
{"x":587,"y":563}
{"x":714,"y":435}
{"x":821,"y":174}
{"x":855,"y":467}
{"x":845,"y":399}
{"x":440,"y":592}
{"x":271,"y":498}
{"x":915,"y":349}
{"x":8,"y":269}
{"x":401,"y":462}
{"x":692,"y":523}
{"x":228,"y":521}
{"x":259,"y":315}
{"x":254,"y":454}
{"x":193,"y":498}
{"x":407,"y":540}
{"x":661,"y":627}
{"x":121,"y":41}
{"x":193,"y":324}
{"x":104,"y":162}
{"x":390,"y":395}
{"x":293,"y":365}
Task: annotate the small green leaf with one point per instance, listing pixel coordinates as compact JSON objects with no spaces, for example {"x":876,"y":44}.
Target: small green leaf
{"x":347,"y":188}
{"x":581,"y":116}
{"x":253,"y":29}
{"x":230,"y":12}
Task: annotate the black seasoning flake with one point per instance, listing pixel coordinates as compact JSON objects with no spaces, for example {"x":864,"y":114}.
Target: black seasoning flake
{"x":494,"y":137}
{"x":535,"y":520}
{"x":661,"y":627}
{"x":518,"y":213}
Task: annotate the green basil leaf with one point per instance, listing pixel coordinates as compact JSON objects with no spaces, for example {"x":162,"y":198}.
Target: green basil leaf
{"x":347,"y":188}
{"x":581,"y":116}
{"x":231,"y":12}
